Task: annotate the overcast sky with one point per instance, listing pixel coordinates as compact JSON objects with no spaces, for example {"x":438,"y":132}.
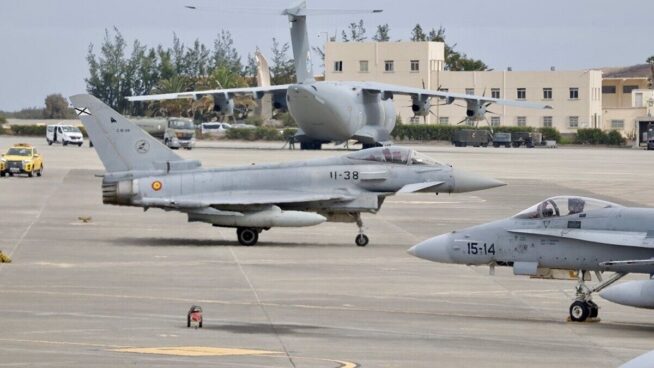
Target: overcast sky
{"x":43,"y":43}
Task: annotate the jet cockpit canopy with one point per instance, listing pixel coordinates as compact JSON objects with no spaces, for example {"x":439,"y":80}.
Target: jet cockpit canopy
{"x":393,"y":155}
{"x":564,"y":206}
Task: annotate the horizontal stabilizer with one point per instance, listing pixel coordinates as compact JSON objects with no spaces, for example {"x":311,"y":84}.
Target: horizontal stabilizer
{"x":420,"y":187}
{"x":622,"y":238}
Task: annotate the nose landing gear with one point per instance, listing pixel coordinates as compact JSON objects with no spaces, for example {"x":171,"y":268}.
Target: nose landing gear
{"x":361,"y":239}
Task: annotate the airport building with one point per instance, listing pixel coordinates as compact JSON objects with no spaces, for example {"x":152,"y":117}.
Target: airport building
{"x":579,"y":99}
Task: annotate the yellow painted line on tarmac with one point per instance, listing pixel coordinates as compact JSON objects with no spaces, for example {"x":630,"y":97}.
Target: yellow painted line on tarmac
{"x":196,"y":351}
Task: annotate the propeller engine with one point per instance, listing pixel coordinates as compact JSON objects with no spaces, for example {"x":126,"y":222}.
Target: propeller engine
{"x":420,"y":105}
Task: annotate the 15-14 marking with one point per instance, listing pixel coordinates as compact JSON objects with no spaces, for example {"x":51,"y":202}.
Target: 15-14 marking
{"x":345,"y":175}
{"x":475,"y":248}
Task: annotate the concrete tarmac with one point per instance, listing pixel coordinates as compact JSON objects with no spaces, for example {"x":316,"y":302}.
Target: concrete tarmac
{"x":115,"y":291}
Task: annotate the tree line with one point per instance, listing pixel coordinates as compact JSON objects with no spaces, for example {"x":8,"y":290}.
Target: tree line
{"x":115,"y":74}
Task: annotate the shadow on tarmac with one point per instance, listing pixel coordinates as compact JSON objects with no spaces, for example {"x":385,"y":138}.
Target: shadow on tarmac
{"x":262,"y":328}
{"x":187,"y":242}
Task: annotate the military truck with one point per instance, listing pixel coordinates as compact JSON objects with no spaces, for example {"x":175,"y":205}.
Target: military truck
{"x":175,"y":132}
{"x":528,"y":139}
{"x":471,"y":137}
{"x":502,"y":139}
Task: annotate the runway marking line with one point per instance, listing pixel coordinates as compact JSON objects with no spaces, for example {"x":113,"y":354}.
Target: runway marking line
{"x":196,"y":351}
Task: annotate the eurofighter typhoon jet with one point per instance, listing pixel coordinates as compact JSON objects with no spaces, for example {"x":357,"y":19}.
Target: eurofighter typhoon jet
{"x":559,"y":235}
{"x":142,"y":172}
{"x":331,"y":111}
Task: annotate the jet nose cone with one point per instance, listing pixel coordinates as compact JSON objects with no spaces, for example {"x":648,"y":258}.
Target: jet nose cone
{"x":469,"y":182}
{"x":435,"y":249}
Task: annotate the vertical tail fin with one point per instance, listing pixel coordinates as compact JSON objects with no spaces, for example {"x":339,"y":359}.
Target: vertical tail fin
{"x":121,"y":145}
{"x":297,"y":16}
{"x":300,"y":41}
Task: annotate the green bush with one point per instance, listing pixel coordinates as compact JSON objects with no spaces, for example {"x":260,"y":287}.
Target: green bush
{"x":614,"y":138}
{"x":597,"y":136}
{"x":288,"y":133}
{"x":254,"y":120}
{"x":259,"y":133}
{"x":3,"y":120}
{"x":29,"y":130}
{"x":286,"y":119}
{"x":444,"y":132}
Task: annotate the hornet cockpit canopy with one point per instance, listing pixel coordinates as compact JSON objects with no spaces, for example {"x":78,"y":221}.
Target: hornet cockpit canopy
{"x":393,"y":155}
{"x":563,"y":206}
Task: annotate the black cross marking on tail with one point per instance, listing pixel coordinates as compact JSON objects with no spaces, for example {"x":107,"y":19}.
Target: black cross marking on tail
{"x":84,"y":111}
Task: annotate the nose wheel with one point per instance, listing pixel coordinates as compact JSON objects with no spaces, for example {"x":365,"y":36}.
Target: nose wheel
{"x":361,"y":239}
{"x":584,"y":307}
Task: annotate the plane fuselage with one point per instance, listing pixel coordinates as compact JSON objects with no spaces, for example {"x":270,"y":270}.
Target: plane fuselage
{"x":336,"y":111}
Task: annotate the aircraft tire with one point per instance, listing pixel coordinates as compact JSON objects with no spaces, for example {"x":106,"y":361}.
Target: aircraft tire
{"x":247,"y":236}
{"x":361,"y":240}
{"x":594,"y":309}
{"x":579,"y":311}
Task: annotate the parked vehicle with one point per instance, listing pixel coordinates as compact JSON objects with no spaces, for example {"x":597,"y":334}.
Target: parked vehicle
{"x":175,"y":132}
{"x":64,"y":134}
{"x":471,"y":137}
{"x":214,"y":128}
{"x":502,"y":139}
{"x":22,"y":158}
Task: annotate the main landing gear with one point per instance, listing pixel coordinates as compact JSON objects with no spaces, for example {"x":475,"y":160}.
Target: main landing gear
{"x":583,"y":307}
{"x":247,"y":235}
{"x":361,"y":239}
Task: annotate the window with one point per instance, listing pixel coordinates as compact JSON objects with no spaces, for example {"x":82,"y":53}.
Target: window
{"x":609,"y":90}
{"x":617,"y":124}
{"x":573,"y":121}
{"x":522,"y":121}
{"x":628,"y":89}
{"x":338,"y":66}
{"x":495,"y":93}
{"x":574,"y":93}
{"x":415,"y":65}
{"x":470,"y":91}
{"x":522,"y":94}
{"x":444,"y":89}
{"x":495,"y":121}
{"x":547,"y":121}
{"x":443,"y":120}
{"x":363,"y":66}
{"x":389,"y":66}
{"x":547,"y":93}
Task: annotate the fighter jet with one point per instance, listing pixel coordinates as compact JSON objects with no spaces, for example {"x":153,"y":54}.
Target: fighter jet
{"x":642,"y":361}
{"x":559,"y":235}
{"x":328,"y":111}
{"x":142,"y":172}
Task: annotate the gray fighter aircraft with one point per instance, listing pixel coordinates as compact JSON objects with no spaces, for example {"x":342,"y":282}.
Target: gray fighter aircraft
{"x":142,"y":172}
{"x":555,"y":236}
{"x":328,"y":111}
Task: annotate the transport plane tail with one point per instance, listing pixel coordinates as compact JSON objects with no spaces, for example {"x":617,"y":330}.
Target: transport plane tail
{"x":123,"y":147}
{"x":297,"y":15}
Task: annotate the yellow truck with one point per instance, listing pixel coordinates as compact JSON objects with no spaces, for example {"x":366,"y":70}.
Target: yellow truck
{"x":22,"y":158}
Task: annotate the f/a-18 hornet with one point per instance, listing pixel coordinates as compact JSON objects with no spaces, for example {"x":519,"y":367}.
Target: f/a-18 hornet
{"x":559,"y":235}
{"x":142,"y":172}
{"x":327,"y":111}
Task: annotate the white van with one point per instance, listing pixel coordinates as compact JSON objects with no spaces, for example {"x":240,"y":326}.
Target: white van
{"x":214,"y":128}
{"x":64,"y":134}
